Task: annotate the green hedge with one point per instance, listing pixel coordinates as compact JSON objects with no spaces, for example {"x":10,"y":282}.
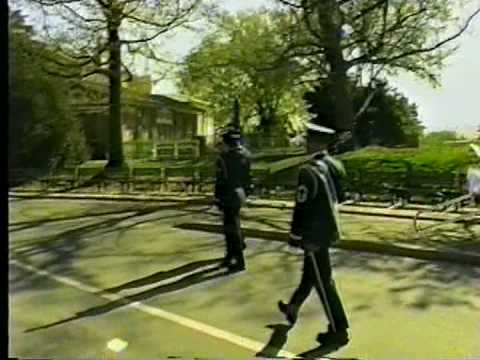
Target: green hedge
{"x":367,"y":169}
{"x":427,"y":169}
{"x":436,"y":168}
{"x":442,"y":159}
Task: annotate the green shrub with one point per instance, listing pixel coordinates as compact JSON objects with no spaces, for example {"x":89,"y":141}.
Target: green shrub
{"x":409,"y":167}
{"x":75,"y":150}
{"x":442,"y":159}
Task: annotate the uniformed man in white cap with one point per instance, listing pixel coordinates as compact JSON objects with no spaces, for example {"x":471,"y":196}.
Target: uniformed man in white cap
{"x":315,"y":227}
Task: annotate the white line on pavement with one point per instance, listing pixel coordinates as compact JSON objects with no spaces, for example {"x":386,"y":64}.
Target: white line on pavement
{"x":184,"y":321}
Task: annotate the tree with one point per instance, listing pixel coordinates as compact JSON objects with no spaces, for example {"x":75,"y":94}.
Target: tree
{"x":371,"y":39}
{"x":237,"y":61}
{"x":391,"y":119}
{"x":90,"y":36}
{"x":39,"y":126}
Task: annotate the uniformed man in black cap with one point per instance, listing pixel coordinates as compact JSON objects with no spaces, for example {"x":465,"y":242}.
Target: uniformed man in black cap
{"x":231,"y":190}
{"x":315,"y":227}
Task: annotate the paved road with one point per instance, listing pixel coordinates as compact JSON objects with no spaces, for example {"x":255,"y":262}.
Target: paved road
{"x":120,"y":270}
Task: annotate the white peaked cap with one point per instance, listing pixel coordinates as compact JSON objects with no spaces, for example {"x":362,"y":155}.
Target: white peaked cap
{"x":318,"y":128}
{"x":476,"y":149}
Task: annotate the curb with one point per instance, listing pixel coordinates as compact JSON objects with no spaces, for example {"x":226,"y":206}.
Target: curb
{"x":355,"y":245}
{"x":109,"y":197}
{"x":207,"y":199}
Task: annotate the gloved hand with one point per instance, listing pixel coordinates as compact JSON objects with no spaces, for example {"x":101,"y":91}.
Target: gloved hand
{"x":476,"y":199}
{"x":218,"y":204}
{"x":295,"y":240}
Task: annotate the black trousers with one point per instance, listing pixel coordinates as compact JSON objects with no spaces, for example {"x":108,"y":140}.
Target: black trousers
{"x":309,"y":281}
{"x":233,"y":234}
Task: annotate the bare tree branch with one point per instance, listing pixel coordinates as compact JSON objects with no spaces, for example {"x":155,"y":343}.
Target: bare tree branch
{"x":104,"y":4}
{"x":55,"y":2}
{"x":382,"y":60}
{"x":101,"y":71}
{"x":128,"y":72}
{"x":343,"y":2}
{"x":396,"y":26}
{"x":149,"y":38}
{"x":174,"y":22}
{"x":290,"y":4}
{"x":82,"y":18}
{"x":309,"y":25}
{"x":369,"y":9}
{"x":68,"y":64}
{"x":294,"y":49}
{"x":132,"y":10}
{"x":365,"y":105}
{"x":58,"y":74}
{"x":75,"y":75}
{"x":178,"y":15}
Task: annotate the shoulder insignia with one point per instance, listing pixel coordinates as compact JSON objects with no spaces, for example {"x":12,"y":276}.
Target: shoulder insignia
{"x":302,"y":194}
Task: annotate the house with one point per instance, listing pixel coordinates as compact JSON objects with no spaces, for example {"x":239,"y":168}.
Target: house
{"x":148,"y":118}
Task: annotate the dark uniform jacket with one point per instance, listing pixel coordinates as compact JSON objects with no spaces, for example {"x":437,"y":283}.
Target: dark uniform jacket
{"x":315,"y":222}
{"x":232,"y":181}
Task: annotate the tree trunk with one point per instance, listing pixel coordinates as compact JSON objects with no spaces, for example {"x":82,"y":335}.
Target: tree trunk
{"x":338,"y":78}
{"x":115,"y":124}
{"x":262,"y":113}
{"x":236,"y":113}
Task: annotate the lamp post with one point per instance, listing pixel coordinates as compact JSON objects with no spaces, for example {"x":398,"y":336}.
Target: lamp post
{"x":236,"y":113}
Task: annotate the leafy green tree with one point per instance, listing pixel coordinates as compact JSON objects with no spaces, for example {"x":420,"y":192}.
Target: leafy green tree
{"x":365,"y":40}
{"x":94,"y":36}
{"x":390,"y":120}
{"x":239,"y":61}
{"x":39,"y":125}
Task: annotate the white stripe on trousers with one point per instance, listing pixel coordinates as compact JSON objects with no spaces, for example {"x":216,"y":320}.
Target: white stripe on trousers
{"x":323,"y":293}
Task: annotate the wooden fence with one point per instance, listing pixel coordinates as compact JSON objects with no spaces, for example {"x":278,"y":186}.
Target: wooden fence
{"x":183,"y":149}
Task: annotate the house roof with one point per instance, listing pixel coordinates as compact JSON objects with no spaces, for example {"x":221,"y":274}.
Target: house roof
{"x":194,"y":101}
{"x":180,"y":103}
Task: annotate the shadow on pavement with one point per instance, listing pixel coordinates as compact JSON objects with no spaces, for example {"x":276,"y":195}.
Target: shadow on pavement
{"x":275,"y":224}
{"x":416,"y":284}
{"x":59,"y":250}
{"x":321,"y":351}
{"x":187,"y":281}
{"x":276,"y":342}
{"x":411,"y":283}
{"x":444,"y":237}
{"x":138,"y":209}
{"x":163,"y":275}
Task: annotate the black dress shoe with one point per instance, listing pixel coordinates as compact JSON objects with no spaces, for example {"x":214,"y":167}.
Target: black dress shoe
{"x":288,"y":311}
{"x":227,"y":261}
{"x":236,"y":268}
{"x":325,"y":333}
{"x":338,"y":338}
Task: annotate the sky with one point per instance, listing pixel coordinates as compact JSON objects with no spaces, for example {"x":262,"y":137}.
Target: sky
{"x":453,"y":106}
